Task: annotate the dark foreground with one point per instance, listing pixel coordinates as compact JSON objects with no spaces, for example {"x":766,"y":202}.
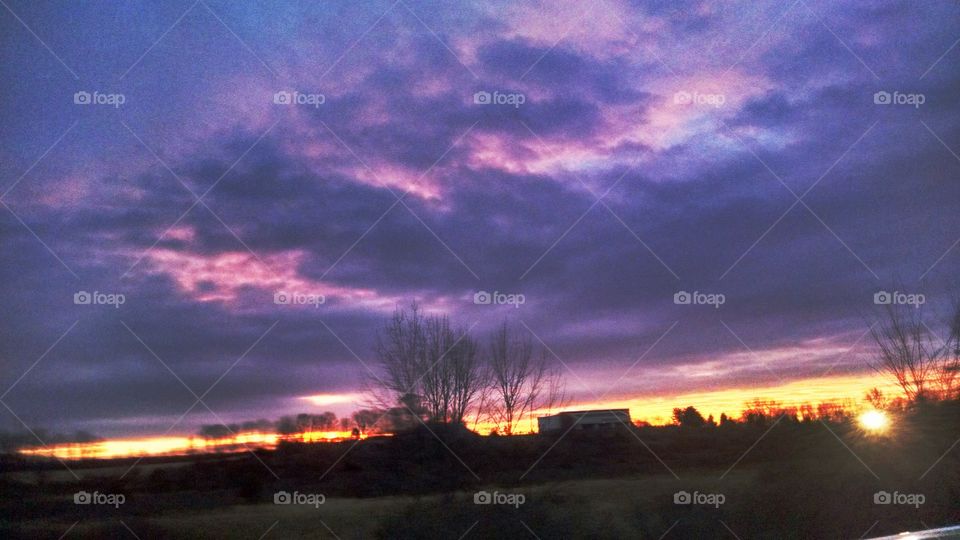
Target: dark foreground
{"x":770,"y":478}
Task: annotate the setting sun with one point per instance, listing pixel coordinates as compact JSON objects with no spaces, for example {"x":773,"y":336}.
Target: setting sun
{"x":875,"y":421}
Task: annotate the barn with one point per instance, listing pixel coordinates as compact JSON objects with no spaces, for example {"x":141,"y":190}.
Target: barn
{"x":592,"y":420}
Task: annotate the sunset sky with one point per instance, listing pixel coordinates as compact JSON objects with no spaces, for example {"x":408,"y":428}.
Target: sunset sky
{"x":630,"y":151}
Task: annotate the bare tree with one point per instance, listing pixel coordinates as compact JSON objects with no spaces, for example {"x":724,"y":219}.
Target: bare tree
{"x":947,"y":375}
{"x":434,"y":380}
{"x":876,"y":398}
{"x":520,"y":383}
{"x":400,"y":350}
{"x":906,"y":351}
{"x":468,"y":378}
{"x":429,"y":367}
{"x":367,"y":419}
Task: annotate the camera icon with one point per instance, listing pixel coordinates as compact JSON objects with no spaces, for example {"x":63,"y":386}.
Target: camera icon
{"x":482,"y":298}
{"x":881,"y":98}
{"x":682,"y":497}
{"x":281,"y":298}
{"x":682,"y":98}
{"x":82,"y":298}
{"x":882,"y":298}
{"x":882,"y":497}
{"x":283,"y":98}
{"x":482,"y":98}
{"x":282,"y":497}
{"x":82,"y":98}
{"x":482,"y":497}
{"x":81,"y":497}
{"x":682,"y":298}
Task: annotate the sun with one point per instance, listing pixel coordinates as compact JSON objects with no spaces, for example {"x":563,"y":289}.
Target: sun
{"x":875,"y":421}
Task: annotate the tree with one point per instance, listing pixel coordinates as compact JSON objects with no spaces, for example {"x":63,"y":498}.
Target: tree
{"x":427,"y":366}
{"x":947,"y":376}
{"x":287,"y":425}
{"x":876,"y":398}
{"x":831,"y":411}
{"x":468,"y":378}
{"x":367,"y":418}
{"x":262,"y":425}
{"x":453,"y":375}
{"x":214,"y":431}
{"x":520,"y":383}
{"x":759,"y":411}
{"x":400,"y":355}
{"x":909,"y":353}
{"x":306,"y":423}
{"x":689,"y":417}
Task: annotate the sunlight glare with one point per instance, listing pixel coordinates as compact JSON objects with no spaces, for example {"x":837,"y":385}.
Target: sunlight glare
{"x":875,"y":421}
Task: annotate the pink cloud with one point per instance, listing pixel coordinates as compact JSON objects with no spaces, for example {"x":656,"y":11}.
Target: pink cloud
{"x":223,"y":277}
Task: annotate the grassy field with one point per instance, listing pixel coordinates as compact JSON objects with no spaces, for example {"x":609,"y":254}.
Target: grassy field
{"x":608,"y":504}
{"x":775,"y":479}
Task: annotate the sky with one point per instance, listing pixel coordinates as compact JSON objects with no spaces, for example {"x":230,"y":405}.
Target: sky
{"x":168,"y":169}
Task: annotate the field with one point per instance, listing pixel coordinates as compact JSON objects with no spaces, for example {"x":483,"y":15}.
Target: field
{"x":770,"y":479}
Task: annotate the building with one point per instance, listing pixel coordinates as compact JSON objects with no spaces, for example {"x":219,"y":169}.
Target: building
{"x":596,"y":420}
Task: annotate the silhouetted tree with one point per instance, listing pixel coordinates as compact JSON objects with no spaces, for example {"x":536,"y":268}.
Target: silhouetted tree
{"x":214,"y":431}
{"x":520,"y":383}
{"x":262,"y":425}
{"x":469,"y":378}
{"x":428,"y":366}
{"x":688,"y":417}
{"x":948,"y":368}
{"x":923,"y":365}
{"x":905,"y":351}
{"x":876,"y":398}
{"x":831,"y":411}
{"x":453,"y":374}
{"x":400,"y":352}
{"x":287,"y":425}
{"x":366,"y":419}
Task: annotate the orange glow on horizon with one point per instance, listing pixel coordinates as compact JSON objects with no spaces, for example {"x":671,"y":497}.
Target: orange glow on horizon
{"x":656,"y":410}
{"x":180,"y":445}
